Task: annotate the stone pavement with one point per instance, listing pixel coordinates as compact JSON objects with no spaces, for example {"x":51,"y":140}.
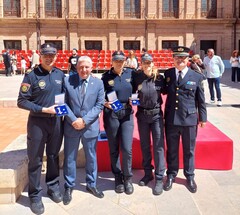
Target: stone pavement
{"x":218,"y":191}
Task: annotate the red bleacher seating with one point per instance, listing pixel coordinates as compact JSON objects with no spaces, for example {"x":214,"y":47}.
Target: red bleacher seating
{"x":102,"y":59}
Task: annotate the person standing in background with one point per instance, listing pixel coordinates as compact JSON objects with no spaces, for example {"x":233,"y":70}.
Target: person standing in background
{"x":35,"y":59}
{"x":234,"y":61}
{"x":23,"y":65}
{"x":131,"y":61}
{"x":72,"y":62}
{"x":7,"y":63}
{"x":215,"y":69}
{"x":14,"y":63}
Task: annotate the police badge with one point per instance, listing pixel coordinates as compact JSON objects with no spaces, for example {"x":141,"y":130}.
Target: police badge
{"x":42,"y":84}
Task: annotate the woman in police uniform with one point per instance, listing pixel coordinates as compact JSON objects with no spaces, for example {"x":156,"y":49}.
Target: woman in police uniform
{"x":118,"y":124}
{"x":148,"y":84}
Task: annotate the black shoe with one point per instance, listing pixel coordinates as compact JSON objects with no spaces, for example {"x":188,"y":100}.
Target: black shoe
{"x":67,"y":197}
{"x":95,"y":192}
{"x":168,"y":184}
{"x":145,"y":180}
{"x":128,"y":186}
{"x":119,"y":187}
{"x":158,"y":189}
{"x":56,"y":196}
{"x":191,"y":185}
{"x":37,"y":207}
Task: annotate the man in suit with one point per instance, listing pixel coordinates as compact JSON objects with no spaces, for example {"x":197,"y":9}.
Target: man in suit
{"x":185,"y":108}
{"x":84,"y":99}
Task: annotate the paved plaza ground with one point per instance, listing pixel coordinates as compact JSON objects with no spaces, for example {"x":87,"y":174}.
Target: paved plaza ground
{"x":218,"y":191}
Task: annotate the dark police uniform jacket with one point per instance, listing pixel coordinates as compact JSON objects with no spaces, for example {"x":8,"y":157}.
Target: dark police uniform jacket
{"x":185,"y":104}
{"x":148,"y":89}
{"x":39,"y":88}
{"x":120,"y":84}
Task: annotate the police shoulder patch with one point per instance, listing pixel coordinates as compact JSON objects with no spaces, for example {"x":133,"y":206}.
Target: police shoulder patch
{"x":25,"y":87}
{"x":111,"y":82}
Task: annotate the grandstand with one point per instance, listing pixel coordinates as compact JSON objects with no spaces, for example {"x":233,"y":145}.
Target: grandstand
{"x":102,"y":59}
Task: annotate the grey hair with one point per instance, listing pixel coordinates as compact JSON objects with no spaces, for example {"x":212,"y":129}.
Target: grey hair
{"x":85,"y":58}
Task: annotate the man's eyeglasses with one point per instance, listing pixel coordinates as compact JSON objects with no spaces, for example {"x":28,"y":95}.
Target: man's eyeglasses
{"x":180,"y":57}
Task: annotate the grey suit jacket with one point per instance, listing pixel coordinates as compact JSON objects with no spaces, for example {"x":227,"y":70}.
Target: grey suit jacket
{"x":89,"y":109}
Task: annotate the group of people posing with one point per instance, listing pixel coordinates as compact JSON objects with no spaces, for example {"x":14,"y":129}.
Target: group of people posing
{"x":86,"y":97}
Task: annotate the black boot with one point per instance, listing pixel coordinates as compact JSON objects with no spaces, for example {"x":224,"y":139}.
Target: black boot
{"x":119,"y":187}
{"x":158,"y":189}
{"x":128,"y":185}
{"x":146,"y":179}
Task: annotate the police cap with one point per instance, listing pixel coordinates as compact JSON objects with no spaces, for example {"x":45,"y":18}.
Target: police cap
{"x":118,"y":55}
{"x":181,"y":51}
{"x":146,"y":57}
{"x":48,"y":49}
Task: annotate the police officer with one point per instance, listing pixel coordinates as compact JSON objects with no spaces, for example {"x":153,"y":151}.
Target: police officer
{"x":119,"y":125}
{"x":149,"y":84}
{"x":37,"y":94}
{"x":185,"y":109}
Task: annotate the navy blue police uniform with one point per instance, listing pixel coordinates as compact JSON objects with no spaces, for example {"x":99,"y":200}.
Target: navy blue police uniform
{"x":150,"y":120}
{"x":38,"y":90}
{"x":119,"y":125}
{"x":184,"y":108}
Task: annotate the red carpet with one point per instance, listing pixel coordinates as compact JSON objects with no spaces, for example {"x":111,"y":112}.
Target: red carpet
{"x":214,"y":150}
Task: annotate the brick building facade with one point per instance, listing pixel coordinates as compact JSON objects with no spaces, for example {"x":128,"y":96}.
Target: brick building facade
{"x":121,"y":24}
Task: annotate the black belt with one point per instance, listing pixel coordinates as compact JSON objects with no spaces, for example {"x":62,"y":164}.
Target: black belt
{"x":42,"y":114}
{"x":149,"y":111}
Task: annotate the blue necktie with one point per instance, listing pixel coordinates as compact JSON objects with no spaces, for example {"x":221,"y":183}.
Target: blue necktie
{"x":83,"y":89}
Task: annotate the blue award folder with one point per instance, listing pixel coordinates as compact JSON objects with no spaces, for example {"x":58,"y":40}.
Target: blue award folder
{"x":116,"y":106}
{"x":61,"y":110}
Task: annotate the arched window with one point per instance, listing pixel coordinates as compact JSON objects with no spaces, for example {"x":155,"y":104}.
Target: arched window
{"x":171,"y":8}
{"x":11,"y":8}
{"x":209,"y":8}
{"x":132,"y":9}
{"x":53,"y":8}
{"x":93,"y":8}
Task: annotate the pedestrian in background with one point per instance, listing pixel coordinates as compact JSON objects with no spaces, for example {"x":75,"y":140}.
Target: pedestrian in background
{"x":72,"y":62}
{"x":215,"y":69}
{"x":234,"y":61}
{"x":35,"y":59}
{"x":23,"y":65}
{"x":7,"y":63}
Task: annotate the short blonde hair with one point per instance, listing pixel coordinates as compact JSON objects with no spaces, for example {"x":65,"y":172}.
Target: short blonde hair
{"x":195,"y":57}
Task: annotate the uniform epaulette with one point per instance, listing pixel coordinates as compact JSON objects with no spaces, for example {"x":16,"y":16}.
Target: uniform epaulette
{"x":105,"y":73}
{"x":28,"y":71}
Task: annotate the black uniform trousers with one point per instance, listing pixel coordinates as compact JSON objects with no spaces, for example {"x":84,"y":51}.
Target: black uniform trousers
{"x":43,"y":131}
{"x":188,"y":134}
{"x":119,"y":129}
{"x":147,"y":125}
